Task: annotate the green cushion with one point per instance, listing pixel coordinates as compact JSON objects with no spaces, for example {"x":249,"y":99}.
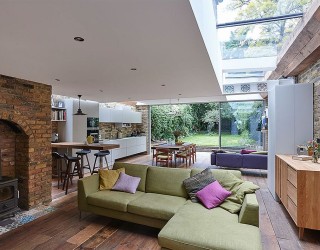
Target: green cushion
{"x":260,"y":153}
{"x":167,"y":181}
{"x":194,"y":227}
{"x":217,"y":173}
{"x":184,"y":233}
{"x":112,"y":199}
{"x":136,"y":170}
{"x":198,"y":211}
{"x":238,"y":188}
{"x":157,"y":206}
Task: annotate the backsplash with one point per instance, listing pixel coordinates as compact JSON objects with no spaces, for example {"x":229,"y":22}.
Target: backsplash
{"x":110,"y":130}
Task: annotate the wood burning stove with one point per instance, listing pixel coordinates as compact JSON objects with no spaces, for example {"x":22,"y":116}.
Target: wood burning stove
{"x":8,"y":196}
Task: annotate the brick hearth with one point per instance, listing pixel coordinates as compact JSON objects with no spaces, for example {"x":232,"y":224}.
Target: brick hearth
{"x":25,"y":138}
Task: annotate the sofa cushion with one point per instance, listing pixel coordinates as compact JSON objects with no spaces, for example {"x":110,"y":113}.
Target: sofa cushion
{"x":238,"y":188}
{"x":229,"y":160}
{"x":247,"y":151}
{"x":161,"y":180}
{"x":217,"y":173}
{"x":157,"y":206}
{"x":197,"y":182}
{"x":107,"y":178}
{"x":112,"y":199}
{"x":136,"y":170}
{"x":255,"y":161}
{"x":127,"y":183}
{"x":210,"y":229}
{"x":213,"y":195}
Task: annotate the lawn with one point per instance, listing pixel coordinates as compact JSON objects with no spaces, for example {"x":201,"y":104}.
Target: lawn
{"x":212,"y":140}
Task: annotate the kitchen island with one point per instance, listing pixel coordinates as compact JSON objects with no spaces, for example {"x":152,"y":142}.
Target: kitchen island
{"x":119,"y":148}
{"x":80,"y":145}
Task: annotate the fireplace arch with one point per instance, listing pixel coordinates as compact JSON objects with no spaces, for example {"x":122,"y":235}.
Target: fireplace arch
{"x":25,"y":122}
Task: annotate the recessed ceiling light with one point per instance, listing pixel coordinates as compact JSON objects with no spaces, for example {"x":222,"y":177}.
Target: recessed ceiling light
{"x":78,"y":39}
{"x":133,"y":69}
{"x":58,"y":80}
{"x":163,"y":85}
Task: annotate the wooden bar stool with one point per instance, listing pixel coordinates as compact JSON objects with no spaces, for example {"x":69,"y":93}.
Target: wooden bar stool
{"x":58,"y":158}
{"x":83,"y":153}
{"x":70,"y":173}
{"x":101,"y":154}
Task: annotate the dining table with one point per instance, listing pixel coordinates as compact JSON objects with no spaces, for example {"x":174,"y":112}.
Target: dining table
{"x":171,"y":146}
{"x":81,"y":145}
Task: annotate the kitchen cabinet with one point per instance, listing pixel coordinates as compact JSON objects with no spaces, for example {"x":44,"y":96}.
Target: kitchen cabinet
{"x":297,"y":185}
{"x":119,"y":116}
{"x":128,"y":146}
{"x":290,"y":110}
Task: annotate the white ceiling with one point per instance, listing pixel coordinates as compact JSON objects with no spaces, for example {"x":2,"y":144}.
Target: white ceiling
{"x":158,"y":37}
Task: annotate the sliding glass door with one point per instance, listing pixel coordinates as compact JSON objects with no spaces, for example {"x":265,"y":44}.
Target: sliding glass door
{"x":241,"y":124}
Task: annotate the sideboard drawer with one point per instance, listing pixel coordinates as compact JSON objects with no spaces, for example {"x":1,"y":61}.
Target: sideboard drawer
{"x":292,"y":209}
{"x":292,"y":176}
{"x":292,"y":192}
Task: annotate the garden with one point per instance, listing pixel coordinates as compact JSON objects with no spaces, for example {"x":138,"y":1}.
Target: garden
{"x":199,"y":123}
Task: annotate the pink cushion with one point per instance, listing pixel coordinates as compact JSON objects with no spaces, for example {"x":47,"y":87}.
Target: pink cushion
{"x":127,"y":183}
{"x":213,"y":195}
{"x":247,"y":151}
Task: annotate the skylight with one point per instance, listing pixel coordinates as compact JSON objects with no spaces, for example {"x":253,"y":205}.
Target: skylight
{"x":256,"y":28}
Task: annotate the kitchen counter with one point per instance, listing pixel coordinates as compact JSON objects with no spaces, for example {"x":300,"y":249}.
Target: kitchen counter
{"x":80,"y":145}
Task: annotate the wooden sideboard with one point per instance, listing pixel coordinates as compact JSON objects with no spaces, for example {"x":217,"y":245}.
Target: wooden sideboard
{"x":298,"y":187}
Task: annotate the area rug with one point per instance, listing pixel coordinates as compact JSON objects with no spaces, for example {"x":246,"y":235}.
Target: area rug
{"x":22,"y":217}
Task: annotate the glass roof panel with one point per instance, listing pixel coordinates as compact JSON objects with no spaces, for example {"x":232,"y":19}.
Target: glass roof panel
{"x":236,"y":10}
{"x":255,"y":40}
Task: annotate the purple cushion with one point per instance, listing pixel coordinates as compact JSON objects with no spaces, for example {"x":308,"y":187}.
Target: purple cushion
{"x":127,"y":183}
{"x":213,"y":195}
{"x":247,"y":151}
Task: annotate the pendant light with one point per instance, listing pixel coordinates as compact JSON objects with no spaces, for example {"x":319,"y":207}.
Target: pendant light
{"x":79,"y":112}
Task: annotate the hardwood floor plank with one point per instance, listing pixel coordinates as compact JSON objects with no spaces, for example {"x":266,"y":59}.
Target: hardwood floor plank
{"x":31,"y":243}
{"x":85,"y":234}
{"x":95,"y":241}
{"x":270,"y":243}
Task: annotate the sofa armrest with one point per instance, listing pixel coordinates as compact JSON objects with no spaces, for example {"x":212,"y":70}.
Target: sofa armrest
{"x":213,"y":158}
{"x":86,"y":186}
{"x":249,"y":213}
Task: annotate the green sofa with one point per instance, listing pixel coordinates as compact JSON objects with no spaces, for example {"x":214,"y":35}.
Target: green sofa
{"x":162,"y":202}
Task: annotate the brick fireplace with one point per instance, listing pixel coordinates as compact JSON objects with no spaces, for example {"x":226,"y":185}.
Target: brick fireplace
{"x":25,"y":138}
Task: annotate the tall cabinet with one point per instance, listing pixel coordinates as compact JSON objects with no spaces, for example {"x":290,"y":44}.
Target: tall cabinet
{"x":75,"y":128}
{"x":290,"y":122}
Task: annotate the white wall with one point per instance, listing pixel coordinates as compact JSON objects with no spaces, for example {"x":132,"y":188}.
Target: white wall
{"x":204,"y":13}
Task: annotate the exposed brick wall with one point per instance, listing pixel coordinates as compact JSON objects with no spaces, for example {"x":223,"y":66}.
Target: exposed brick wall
{"x":145,"y":126}
{"x":55,"y":127}
{"x":26,"y":106}
{"x":310,"y":74}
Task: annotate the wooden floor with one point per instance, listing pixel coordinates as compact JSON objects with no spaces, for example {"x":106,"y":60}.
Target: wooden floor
{"x":62,"y":228}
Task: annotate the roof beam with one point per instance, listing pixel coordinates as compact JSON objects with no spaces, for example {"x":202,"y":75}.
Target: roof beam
{"x":302,"y":49}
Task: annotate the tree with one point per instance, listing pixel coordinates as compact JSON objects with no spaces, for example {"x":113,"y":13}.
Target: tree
{"x":271,"y":34}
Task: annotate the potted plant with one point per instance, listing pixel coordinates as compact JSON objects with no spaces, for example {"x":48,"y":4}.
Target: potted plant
{"x":313,"y":150}
{"x":176,"y":135}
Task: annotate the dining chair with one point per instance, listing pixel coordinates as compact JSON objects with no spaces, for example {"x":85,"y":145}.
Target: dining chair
{"x":163,"y":155}
{"x":193,"y":152}
{"x":184,"y":154}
